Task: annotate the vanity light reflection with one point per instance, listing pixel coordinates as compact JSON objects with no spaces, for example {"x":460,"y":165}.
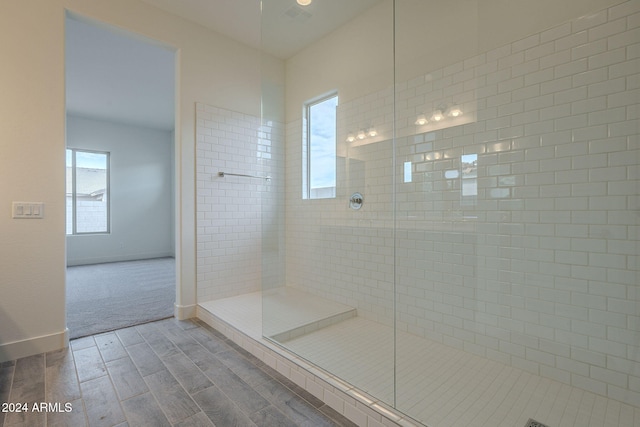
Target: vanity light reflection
{"x":439,"y":114}
{"x":362,"y":134}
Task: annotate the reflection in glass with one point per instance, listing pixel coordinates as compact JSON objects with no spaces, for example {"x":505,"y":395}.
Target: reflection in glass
{"x":469,"y":169}
{"x":407,"y":172}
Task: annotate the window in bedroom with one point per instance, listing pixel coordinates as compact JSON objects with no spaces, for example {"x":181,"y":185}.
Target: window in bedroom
{"x":87,"y":192}
{"x":319,"y":148}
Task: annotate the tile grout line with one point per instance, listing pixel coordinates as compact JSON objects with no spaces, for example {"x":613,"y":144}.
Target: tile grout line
{"x":145,"y":380}
{"x":205,"y":375}
{"x":141,"y":376}
{"x":75,"y":369}
{"x":107,"y":374}
{"x":237,"y":346}
{"x":113,"y":386}
{"x":179,"y":383}
{"x":239,"y":354}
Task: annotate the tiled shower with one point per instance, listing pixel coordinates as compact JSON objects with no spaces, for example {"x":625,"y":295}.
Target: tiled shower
{"x":504,"y":237}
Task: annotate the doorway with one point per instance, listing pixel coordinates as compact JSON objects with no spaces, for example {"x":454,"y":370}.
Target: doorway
{"x":120,"y":119}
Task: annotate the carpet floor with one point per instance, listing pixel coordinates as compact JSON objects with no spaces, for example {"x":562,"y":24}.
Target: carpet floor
{"x":105,"y":297}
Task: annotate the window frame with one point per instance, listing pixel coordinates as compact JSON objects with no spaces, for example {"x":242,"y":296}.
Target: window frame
{"x":73,"y":193}
{"x":307,"y":191}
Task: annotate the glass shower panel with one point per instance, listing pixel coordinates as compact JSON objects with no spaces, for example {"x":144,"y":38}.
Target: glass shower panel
{"x":328,"y":267}
{"x":517,"y":194}
{"x":438,"y":219}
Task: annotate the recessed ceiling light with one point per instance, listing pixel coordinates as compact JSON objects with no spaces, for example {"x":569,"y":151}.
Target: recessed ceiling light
{"x":304,"y":2}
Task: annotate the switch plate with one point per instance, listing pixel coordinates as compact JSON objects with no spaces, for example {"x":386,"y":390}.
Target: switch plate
{"x":27,"y":210}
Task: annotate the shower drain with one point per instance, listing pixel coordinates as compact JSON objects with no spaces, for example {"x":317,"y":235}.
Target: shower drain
{"x":534,"y":423}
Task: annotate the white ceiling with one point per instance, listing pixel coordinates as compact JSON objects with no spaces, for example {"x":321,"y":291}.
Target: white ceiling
{"x":117,"y":76}
{"x":282,"y":29}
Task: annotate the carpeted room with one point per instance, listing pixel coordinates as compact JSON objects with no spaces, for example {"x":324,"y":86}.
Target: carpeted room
{"x":109,"y":296}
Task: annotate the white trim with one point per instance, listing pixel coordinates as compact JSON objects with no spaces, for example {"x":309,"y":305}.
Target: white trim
{"x":18,"y":349}
{"x":119,"y":258}
{"x":183,"y":312}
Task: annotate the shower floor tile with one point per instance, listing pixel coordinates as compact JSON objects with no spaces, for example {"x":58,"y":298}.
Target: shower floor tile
{"x":436,"y":384}
{"x":443,"y":386}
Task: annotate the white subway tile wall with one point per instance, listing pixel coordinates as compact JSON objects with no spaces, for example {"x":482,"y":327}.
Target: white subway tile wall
{"x":230,"y":208}
{"x":517,"y":237}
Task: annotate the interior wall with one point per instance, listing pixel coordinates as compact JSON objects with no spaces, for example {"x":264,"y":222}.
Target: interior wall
{"x":141,"y":198}
{"x":32,"y":166}
{"x":210,"y":68}
{"x":355,"y":59}
{"x":230,"y":209}
{"x":240,"y":219}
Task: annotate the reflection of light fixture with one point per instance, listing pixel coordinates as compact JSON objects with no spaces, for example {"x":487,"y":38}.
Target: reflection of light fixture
{"x":304,"y":2}
{"x":362,"y":134}
{"x":455,"y":111}
{"x":440,"y":113}
{"x":437,"y":115}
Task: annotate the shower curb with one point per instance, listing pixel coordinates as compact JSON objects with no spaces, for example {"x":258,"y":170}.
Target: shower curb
{"x":357,"y":406}
{"x":314,"y":326}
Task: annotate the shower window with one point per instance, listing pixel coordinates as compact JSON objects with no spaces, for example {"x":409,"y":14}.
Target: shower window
{"x":319,"y":151}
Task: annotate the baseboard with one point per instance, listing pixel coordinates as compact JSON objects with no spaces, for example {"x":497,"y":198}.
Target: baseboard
{"x":182,"y":312}
{"x":18,"y":349}
{"x":119,"y":258}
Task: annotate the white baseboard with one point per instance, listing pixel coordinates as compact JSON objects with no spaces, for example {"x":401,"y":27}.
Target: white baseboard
{"x":118,"y":258}
{"x":18,"y":349}
{"x":182,"y":312}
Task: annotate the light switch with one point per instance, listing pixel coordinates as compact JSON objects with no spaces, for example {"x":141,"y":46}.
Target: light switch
{"x":29,"y":210}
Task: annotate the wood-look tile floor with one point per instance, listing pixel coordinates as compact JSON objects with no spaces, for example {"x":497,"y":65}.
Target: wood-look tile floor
{"x":165,"y":373}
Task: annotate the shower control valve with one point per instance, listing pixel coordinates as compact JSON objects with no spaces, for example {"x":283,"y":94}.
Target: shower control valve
{"x":356,"y":200}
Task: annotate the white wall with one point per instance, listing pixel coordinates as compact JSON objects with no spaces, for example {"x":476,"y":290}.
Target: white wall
{"x":233,"y":212}
{"x":357,"y":59}
{"x":141,"y":197}
{"x":210,"y":68}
